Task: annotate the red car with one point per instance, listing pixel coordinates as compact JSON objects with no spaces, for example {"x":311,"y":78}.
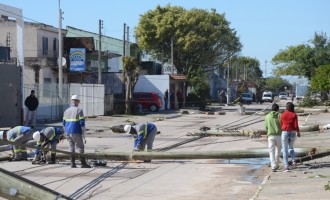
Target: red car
{"x":148,"y":100}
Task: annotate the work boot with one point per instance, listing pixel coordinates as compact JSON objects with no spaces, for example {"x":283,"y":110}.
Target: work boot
{"x":52,"y":159}
{"x":17,"y":157}
{"x":73,"y":162}
{"x":84,"y":163}
{"x":24,"y":156}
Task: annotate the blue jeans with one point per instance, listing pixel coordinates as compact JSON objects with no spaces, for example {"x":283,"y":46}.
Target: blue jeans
{"x":288,"y":139}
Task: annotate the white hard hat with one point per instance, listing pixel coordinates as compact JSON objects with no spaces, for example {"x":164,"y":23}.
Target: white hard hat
{"x":75,"y":97}
{"x":1,"y":135}
{"x":127,"y":128}
{"x":36,"y":136}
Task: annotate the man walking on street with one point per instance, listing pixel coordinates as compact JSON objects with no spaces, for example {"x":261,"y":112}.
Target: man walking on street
{"x":19,"y":135}
{"x":50,"y":136}
{"x":31,"y":103}
{"x":166,"y":99}
{"x":273,"y":127}
{"x":74,"y":127}
{"x":143,"y":135}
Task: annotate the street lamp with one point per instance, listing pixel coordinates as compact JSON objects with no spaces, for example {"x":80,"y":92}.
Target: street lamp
{"x":285,"y":89}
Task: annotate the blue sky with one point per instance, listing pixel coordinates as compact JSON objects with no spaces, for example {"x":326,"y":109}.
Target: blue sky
{"x":264,"y":27}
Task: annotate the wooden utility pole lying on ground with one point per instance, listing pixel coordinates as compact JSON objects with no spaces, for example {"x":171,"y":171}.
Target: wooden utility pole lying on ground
{"x":138,"y":155}
{"x":259,"y":153}
{"x":13,"y":186}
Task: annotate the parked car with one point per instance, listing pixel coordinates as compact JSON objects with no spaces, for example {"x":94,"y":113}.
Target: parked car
{"x":148,"y":100}
{"x":283,"y":95}
{"x":246,"y":98}
{"x":267,"y":96}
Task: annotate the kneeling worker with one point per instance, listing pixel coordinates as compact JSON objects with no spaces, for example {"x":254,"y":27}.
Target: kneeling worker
{"x":143,"y":135}
{"x":19,"y":135}
{"x":49,"y":136}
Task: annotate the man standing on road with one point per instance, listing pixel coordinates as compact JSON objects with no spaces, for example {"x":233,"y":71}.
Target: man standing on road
{"x":273,"y":127}
{"x":31,"y":103}
{"x":19,"y":135}
{"x":166,"y":99}
{"x":50,"y":136}
{"x":74,"y":127}
{"x":143,"y":135}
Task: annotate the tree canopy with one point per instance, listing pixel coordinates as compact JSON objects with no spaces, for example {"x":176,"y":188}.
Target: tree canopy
{"x":321,"y":79}
{"x":303,"y":59}
{"x":277,"y":84}
{"x":248,"y":66}
{"x":201,"y":38}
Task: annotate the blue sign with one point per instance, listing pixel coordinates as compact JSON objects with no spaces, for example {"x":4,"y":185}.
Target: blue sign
{"x":78,"y":59}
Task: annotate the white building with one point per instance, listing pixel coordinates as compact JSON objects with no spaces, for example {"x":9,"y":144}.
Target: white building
{"x":40,"y":50}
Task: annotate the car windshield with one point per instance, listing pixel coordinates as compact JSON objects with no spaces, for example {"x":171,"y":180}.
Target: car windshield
{"x":267,"y":95}
{"x":282,"y":93}
{"x":245,"y":95}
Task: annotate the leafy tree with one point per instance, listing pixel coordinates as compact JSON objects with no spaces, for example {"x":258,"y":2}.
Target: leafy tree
{"x":247,"y":68}
{"x":131,"y":74}
{"x":201,"y":37}
{"x":277,"y":84}
{"x":201,"y":87}
{"x":303,"y":59}
{"x":321,"y":80}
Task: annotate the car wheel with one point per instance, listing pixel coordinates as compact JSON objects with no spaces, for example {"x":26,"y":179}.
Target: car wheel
{"x":153,"y":108}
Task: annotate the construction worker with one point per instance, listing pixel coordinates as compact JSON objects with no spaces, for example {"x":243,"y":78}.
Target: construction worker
{"x":18,"y":135}
{"x":74,"y":127}
{"x":143,"y":135}
{"x":49,"y":136}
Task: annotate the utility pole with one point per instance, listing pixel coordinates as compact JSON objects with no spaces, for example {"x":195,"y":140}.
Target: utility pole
{"x":266,"y":69}
{"x":228,"y":89}
{"x":60,"y":70}
{"x":172,"y":63}
{"x":128,"y":53}
{"x":124,"y":41}
{"x":99,"y":80}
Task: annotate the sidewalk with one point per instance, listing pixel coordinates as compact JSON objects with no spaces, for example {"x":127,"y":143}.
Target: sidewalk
{"x":309,"y":179}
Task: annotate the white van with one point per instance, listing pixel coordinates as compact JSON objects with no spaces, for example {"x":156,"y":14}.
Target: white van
{"x":267,"y":96}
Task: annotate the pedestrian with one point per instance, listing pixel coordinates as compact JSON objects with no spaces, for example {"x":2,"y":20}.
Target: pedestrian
{"x":31,"y":103}
{"x":50,"y":136}
{"x":222,"y":96}
{"x":19,"y":135}
{"x":273,"y":128}
{"x":172,"y":100}
{"x":166,"y":99}
{"x":143,"y":135}
{"x":290,"y":129}
{"x":74,"y":127}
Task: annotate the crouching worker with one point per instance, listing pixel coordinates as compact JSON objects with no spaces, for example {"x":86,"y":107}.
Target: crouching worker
{"x":19,"y":135}
{"x":143,"y":135}
{"x":49,"y":136}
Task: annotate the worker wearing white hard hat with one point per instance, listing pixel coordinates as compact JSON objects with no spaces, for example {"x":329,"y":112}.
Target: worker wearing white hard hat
{"x":143,"y":135}
{"x":19,"y":135}
{"x":74,"y":127}
{"x":48,"y":137}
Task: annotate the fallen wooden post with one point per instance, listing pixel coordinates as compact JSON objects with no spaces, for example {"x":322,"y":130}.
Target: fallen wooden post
{"x":13,"y":186}
{"x":311,"y":157}
{"x":139,"y":155}
{"x":230,"y":132}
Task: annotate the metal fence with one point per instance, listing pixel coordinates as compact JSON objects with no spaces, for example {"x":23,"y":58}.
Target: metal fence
{"x":51,"y":106}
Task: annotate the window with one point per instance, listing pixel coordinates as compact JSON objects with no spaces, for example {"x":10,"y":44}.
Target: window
{"x":47,"y":87}
{"x":44,"y":46}
{"x":54,"y":44}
